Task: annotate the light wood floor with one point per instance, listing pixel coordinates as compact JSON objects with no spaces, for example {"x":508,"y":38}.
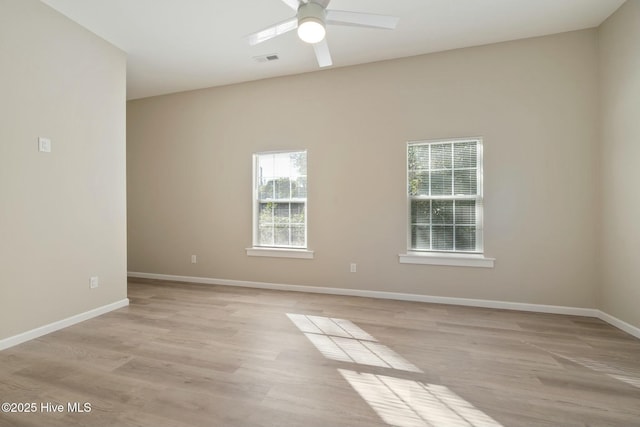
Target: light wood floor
{"x":199,"y":355}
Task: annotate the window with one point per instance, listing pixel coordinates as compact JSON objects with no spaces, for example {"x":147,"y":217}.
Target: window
{"x":445,"y":195}
{"x":280,"y":200}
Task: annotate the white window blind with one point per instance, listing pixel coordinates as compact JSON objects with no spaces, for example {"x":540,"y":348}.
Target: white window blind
{"x":280,"y":200}
{"x":445,"y":195}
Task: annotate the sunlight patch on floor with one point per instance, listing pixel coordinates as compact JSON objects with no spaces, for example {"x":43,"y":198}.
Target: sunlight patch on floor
{"x":406,"y":403}
{"x":399,"y":402}
{"x":627,"y":376}
{"x":621,"y":374}
{"x":342,"y":340}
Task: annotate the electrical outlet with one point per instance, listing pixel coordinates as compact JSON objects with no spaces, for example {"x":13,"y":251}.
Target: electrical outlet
{"x":353,"y":268}
{"x":194,"y":259}
{"x":93,"y":282}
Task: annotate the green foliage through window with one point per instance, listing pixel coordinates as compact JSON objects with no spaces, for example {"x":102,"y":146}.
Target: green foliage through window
{"x":444,"y":195}
{"x":281,"y":190}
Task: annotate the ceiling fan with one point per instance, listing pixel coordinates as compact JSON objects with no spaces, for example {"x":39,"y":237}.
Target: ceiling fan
{"x":311,"y":19}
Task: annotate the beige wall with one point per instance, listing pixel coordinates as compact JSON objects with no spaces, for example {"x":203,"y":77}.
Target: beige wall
{"x":620,"y":151}
{"x":534,"y":101}
{"x":63,"y":214}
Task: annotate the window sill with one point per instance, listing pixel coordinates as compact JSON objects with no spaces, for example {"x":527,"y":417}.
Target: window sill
{"x":456,"y":260}
{"x":280,"y":253}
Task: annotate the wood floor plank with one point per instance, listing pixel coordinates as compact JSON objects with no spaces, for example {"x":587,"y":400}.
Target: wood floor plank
{"x":200,"y":355}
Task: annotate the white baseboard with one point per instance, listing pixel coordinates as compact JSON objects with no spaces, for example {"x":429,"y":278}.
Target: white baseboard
{"x":620,"y":324}
{"x":504,"y":305}
{"x":60,"y":324}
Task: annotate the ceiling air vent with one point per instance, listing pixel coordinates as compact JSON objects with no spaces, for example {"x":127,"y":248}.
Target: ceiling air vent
{"x":266,"y":58}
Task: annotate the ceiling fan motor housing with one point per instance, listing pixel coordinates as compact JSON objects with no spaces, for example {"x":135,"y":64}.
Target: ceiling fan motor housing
{"x":312,"y":12}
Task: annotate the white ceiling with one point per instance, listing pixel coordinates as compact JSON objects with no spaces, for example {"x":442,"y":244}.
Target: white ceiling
{"x":178,"y":45}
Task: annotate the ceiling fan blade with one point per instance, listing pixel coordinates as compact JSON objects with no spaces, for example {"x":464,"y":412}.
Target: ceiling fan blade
{"x":357,"y":19}
{"x":293,"y":4}
{"x":273,"y":31}
{"x":322,"y":53}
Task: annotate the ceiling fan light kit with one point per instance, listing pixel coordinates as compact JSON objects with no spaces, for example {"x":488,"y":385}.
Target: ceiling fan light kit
{"x":311,"y":19}
{"x":311,"y":22}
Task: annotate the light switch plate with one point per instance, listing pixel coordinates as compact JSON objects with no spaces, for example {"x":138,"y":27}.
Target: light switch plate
{"x":44,"y":145}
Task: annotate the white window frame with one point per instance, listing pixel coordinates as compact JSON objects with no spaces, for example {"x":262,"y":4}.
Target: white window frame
{"x":276,"y":251}
{"x":474,"y":258}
